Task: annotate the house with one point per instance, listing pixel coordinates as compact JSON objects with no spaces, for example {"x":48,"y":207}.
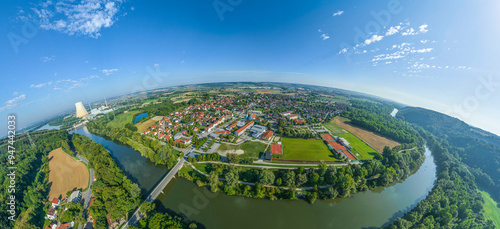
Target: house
{"x":293,"y":116}
{"x":75,"y":197}
{"x":267,"y":135}
{"x":241,"y":130}
{"x":51,"y":226}
{"x":51,"y":214}
{"x":257,"y":130}
{"x":66,"y":225}
{"x":268,"y":156}
{"x":284,"y":114}
{"x":55,"y":202}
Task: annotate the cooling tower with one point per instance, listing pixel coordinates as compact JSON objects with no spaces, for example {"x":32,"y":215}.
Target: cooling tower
{"x":80,"y":110}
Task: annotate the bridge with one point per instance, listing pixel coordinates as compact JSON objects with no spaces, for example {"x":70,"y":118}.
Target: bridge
{"x":156,"y":192}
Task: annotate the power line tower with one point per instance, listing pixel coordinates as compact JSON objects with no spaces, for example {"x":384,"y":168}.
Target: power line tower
{"x":31,"y":140}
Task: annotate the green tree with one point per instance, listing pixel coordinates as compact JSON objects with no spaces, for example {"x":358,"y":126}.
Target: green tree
{"x":266,"y":177}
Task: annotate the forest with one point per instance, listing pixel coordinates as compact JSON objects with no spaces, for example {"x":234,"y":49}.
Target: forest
{"x":376,"y":117}
{"x":32,"y":172}
{"x":478,"y":149}
{"x":114,"y":193}
{"x":454,"y":202}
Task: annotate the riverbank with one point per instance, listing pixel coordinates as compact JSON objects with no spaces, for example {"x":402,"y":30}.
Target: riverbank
{"x":325,"y":182}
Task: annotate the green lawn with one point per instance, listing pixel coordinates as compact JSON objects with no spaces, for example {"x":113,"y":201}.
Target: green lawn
{"x":123,"y":119}
{"x":334,"y":128}
{"x":306,"y":150}
{"x":151,"y":101}
{"x":359,"y":148}
{"x":362,"y":150}
{"x":252,"y":149}
{"x":491,"y":211}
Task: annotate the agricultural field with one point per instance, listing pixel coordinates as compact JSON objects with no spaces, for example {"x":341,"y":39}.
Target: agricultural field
{"x":491,"y":211}
{"x":376,"y":141}
{"x":143,"y":126}
{"x":306,"y":150}
{"x":65,"y":174}
{"x":252,"y":150}
{"x":123,"y":119}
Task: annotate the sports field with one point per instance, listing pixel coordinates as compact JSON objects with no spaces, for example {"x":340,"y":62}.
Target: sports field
{"x":306,"y":150}
{"x":65,"y":174}
{"x":362,"y":150}
{"x":374,"y":140}
{"x":491,"y":211}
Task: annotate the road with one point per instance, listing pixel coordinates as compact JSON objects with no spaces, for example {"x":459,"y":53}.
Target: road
{"x":87,"y":195}
{"x":156,"y":192}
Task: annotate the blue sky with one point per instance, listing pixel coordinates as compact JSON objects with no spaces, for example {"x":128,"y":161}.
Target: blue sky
{"x":439,"y":55}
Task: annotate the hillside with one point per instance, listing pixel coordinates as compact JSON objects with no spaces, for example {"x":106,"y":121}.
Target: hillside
{"x":478,"y":149}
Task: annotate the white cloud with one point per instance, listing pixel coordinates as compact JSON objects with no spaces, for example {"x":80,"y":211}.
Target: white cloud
{"x":41,"y":85}
{"x":423,"y":28}
{"x":109,"y":71}
{"x":83,"y":17}
{"x":47,"y":58}
{"x":409,"y":32}
{"x":373,"y":39}
{"x":338,"y":13}
{"x":393,"y":30}
{"x":156,"y":65}
{"x":325,"y":36}
{"x":13,"y":103}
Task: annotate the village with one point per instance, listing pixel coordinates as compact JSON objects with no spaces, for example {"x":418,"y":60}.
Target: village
{"x":203,"y":127}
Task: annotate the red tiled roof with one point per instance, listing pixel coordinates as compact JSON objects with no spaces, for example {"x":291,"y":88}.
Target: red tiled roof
{"x":268,"y":134}
{"x":233,"y":125}
{"x":244,"y":127}
{"x":327,"y":137}
{"x":276,"y":149}
{"x":55,"y":201}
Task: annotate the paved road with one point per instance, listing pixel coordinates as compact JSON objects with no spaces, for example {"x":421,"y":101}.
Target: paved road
{"x":269,"y":163}
{"x":81,"y":158}
{"x":156,"y":192}
{"x":87,"y":195}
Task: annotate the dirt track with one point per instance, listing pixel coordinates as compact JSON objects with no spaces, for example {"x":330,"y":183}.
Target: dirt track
{"x":374,"y":140}
{"x":65,"y":174}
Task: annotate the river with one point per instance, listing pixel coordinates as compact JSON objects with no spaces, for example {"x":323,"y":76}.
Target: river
{"x":369,"y":209}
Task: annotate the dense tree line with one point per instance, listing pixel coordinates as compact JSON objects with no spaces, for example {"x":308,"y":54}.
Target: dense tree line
{"x":149,"y":148}
{"x":158,"y":220}
{"x":340,"y":181}
{"x":376,"y":117}
{"x":65,"y":123}
{"x":115,"y":194}
{"x":454,"y":202}
{"x":475,"y":147}
{"x":32,"y":171}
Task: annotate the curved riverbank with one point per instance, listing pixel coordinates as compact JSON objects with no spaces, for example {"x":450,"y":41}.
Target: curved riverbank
{"x":372,"y":208}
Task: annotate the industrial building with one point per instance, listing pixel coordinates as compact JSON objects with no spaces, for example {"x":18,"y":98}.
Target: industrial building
{"x":80,"y":110}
